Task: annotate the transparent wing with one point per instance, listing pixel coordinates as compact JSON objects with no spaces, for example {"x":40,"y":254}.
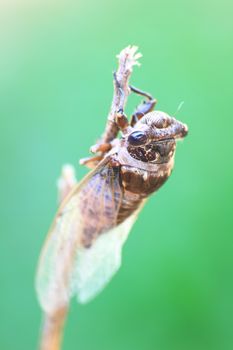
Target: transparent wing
{"x":95,"y":267}
{"x":88,"y":212}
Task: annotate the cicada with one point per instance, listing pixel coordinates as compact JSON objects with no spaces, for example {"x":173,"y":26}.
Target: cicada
{"x":84,"y":245}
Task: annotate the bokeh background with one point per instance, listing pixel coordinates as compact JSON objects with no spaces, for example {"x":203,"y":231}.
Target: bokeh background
{"x":175,"y":288}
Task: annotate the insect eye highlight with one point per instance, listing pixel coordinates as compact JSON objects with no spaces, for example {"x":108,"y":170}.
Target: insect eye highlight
{"x":137,"y":138}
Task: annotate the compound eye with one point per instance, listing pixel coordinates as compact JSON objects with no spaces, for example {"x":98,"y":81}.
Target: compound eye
{"x":137,"y":138}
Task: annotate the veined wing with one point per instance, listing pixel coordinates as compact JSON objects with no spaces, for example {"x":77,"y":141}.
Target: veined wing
{"x":94,"y":267}
{"x":84,"y":225}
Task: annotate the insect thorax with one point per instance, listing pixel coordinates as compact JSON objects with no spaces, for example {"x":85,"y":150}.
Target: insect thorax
{"x":138,"y":184}
{"x":142,"y":171}
{"x":144,"y":182}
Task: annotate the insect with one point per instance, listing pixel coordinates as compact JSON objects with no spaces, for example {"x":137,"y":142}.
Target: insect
{"x":83,"y":249}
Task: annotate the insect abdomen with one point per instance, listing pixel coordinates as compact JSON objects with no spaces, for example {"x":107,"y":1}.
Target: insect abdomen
{"x":141,"y":181}
{"x":137,"y":185}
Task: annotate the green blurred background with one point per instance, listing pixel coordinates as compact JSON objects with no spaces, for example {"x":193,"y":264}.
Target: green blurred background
{"x":175,"y":289}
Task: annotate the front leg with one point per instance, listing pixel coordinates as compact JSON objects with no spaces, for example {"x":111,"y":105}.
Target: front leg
{"x":122,"y":124}
{"x":145,"y":107}
{"x":91,"y":162}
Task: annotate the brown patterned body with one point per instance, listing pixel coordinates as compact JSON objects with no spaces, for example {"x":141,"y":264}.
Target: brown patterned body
{"x":122,"y":189}
{"x":138,"y":165}
{"x":137,"y":185}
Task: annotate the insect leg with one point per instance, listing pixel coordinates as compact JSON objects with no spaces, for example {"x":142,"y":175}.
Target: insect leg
{"x":122,"y":122}
{"x":91,"y":162}
{"x":145,"y":107}
{"x":101,"y":149}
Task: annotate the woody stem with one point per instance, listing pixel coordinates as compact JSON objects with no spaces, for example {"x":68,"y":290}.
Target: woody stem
{"x":52,"y":330}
